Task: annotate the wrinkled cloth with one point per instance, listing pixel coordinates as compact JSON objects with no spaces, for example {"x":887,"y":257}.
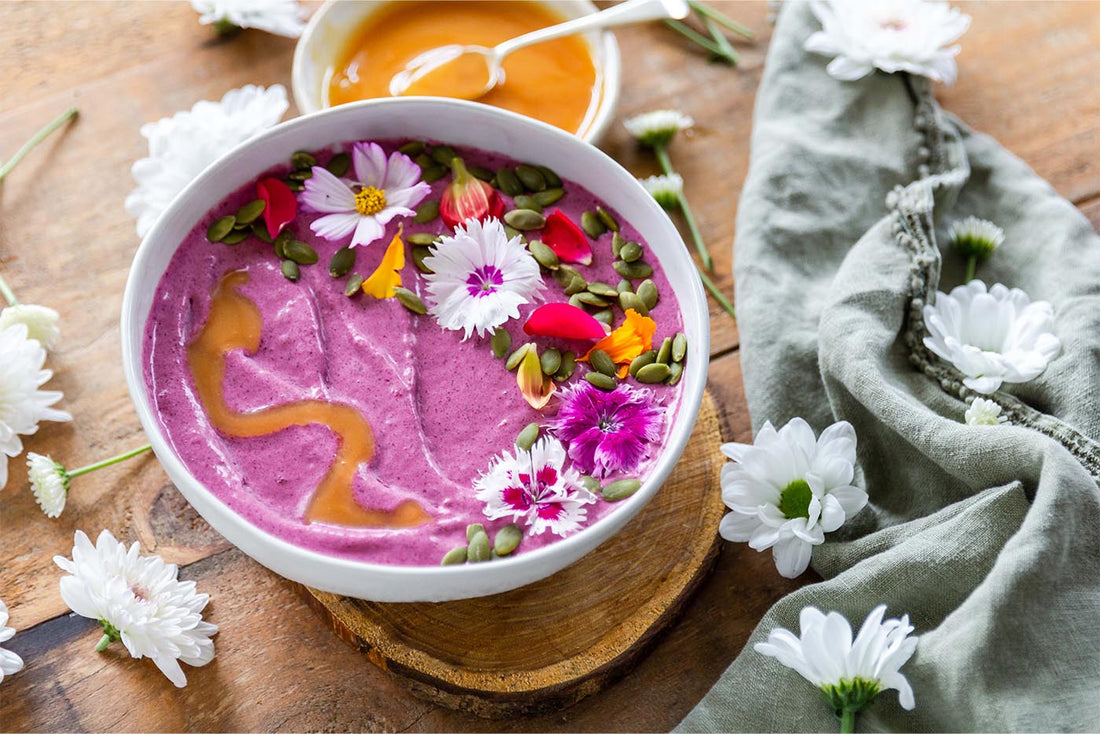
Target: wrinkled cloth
{"x":987,"y":536}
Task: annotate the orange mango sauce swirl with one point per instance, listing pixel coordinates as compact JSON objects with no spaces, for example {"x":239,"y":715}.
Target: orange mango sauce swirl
{"x":555,"y":81}
{"x":235,"y":323}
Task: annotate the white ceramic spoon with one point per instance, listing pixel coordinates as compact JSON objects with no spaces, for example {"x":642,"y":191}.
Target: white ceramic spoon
{"x":631,"y":11}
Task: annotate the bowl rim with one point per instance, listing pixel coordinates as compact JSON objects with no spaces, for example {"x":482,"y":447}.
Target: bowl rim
{"x":607,"y":58}
{"x":133,"y":324}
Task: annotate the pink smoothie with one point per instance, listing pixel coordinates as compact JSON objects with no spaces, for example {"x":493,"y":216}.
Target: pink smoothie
{"x":440,"y":408}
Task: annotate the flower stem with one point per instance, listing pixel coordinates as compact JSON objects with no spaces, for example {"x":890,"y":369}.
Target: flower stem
{"x":103,"y":643}
{"x":714,"y":291}
{"x":971,"y":268}
{"x":720,"y":38}
{"x":7,"y":293}
{"x":700,"y":246}
{"x":108,"y":462}
{"x":708,"y":12}
{"x":847,"y":720}
{"x":38,"y":138}
{"x":698,"y":38}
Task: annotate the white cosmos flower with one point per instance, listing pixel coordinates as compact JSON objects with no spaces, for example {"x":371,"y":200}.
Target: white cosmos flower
{"x":22,"y":404}
{"x":789,"y":488}
{"x":992,"y":336}
{"x":140,"y":601}
{"x":182,"y":145}
{"x":480,"y":278}
{"x":49,"y":483}
{"x":381,"y":190}
{"x":10,"y":663}
{"x":983,"y":412}
{"x":657,"y":128}
{"x":281,"y":17}
{"x":849,"y":673}
{"x":666,"y":189}
{"x":891,"y":35}
{"x":41,"y":322}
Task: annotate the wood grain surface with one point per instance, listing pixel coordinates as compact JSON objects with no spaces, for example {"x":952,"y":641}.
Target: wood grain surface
{"x":1028,"y":76}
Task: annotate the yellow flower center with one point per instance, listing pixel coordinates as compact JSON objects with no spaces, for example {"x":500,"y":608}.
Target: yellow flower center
{"x":369,"y":201}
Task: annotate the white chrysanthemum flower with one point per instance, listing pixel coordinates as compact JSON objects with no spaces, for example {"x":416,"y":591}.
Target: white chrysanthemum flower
{"x":993,"y":336}
{"x":140,"y":601}
{"x":281,"y":17}
{"x":974,"y":237}
{"x":789,"y":488}
{"x":657,"y":128}
{"x":49,"y":482}
{"x":849,"y":673}
{"x":10,"y":663}
{"x":22,"y":405}
{"x":666,"y":189}
{"x":891,"y":35}
{"x":41,"y":322}
{"x":182,"y":145}
{"x":480,"y":278}
{"x":984,"y":412}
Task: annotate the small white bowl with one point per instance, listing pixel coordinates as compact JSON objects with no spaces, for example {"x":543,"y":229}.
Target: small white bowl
{"x":459,"y":123}
{"x":325,"y":39}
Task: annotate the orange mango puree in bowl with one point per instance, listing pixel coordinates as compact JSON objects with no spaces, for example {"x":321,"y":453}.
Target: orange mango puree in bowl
{"x":556,"y":81}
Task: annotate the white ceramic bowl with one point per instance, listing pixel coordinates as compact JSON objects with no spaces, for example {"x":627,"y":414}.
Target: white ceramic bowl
{"x":326,"y":36}
{"x":454,"y":122}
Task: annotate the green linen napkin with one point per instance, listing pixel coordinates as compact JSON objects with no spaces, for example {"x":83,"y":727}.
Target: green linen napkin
{"x":987,"y":536}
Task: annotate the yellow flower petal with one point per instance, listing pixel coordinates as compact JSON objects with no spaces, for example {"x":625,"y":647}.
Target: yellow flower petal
{"x":633,"y":337}
{"x":387,"y":276}
{"x":535,"y":386}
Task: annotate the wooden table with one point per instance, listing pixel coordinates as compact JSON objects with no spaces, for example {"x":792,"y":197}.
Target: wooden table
{"x":1028,"y":75}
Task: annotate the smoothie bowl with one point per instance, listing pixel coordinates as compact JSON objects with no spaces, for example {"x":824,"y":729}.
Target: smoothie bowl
{"x":415,"y":350}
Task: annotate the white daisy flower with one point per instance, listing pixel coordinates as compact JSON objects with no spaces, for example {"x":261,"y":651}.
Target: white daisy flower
{"x":140,"y":601}
{"x":891,"y":35}
{"x":281,"y":17}
{"x":380,"y":191}
{"x":480,"y":278}
{"x":983,"y":412}
{"x":41,"y":322}
{"x":666,"y":189}
{"x":789,"y":488}
{"x":657,"y":128}
{"x":182,"y":145}
{"x":22,"y":404}
{"x":849,"y":673}
{"x":993,"y":336}
{"x":10,"y":663}
{"x":533,"y":488}
{"x":49,"y":482}
{"x":976,"y":237}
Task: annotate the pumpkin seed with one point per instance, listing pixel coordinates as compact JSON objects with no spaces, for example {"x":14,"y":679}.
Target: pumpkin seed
{"x":259,"y":229}
{"x":480,"y":172}
{"x":632,"y":300}
{"x":553,"y":180}
{"x":300,"y":252}
{"x":527,"y":437}
{"x":443,"y":154}
{"x":250,"y":212}
{"x":454,"y":556}
{"x":525,"y":219}
{"x":675,"y":372}
{"x":240,"y":226}
{"x":665,"y":351}
{"x":515,"y":358}
{"x":339,"y":164}
{"x":550,"y":196}
{"x":624,"y":286}
{"x":290,"y":270}
{"x":418,"y":255}
{"x":642,"y":360}
{"x":433,"y":174}
{"x":576,"y":302}
{"x":531,"y":178}
{"x":630,"y":252}
{"x":473,"y":529}
{"x":427,"y":212}
{"x":601,"y":362}
{"x":550,"y":360}
{"x":300,"y":175}
{"x":647,"y":291}
{"x":512,"y":233}
{"x":608,"y":219}
{"x":479,"y":549}
{"x":219,"y":228}
{"x":302,"y":160}
{"x":604,"y":316}
{"x":542,"y":253}
{"x":620,"y":490}
{"x":410,"y":300}
{"x":602,"y":289}
{"x":280,"y":243}
{"x":617,"y":242}
{"x":568,"y":365}
{"x":342,"y":262}
{"x":590,"y":483}
{"x":355,"y":282}
{"x":422,"y":239}
{"x":592,"y":225}
{"x":591,"y":299}
{"x":413,"y":148}
{"x":523,"y":201}
{"x":600,"y":380}
{"x":500,"y":343}
{"x":425,"y":161}
{"x":632,"y":270}
{"x":651,"y":374}
{"x":294,"y":185}
{"x":507,"y":540}
{"x":679,"y":347}
{"x":508,"y":182}
{"x":576,"y":285}
{"x":235,"y":237}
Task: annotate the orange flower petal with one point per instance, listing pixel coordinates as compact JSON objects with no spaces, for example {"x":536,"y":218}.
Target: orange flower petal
{"x":387,"y":276}
{"x":633,"y":337}
{"x":535,"y":386}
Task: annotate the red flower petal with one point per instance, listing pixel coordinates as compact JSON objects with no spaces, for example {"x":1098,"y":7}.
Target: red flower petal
{"x":566,"y":239}
{"x":281,"y":207}
{"x":563,"y":320}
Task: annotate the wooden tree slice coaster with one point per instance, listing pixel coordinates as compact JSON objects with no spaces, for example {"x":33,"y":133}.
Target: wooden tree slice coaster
{"x":549,"y":644}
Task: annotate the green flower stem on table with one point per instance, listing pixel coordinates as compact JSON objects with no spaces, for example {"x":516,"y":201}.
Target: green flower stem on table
{"x":38,"y":138}
{"x":110,"y":461}
{"x":698,"y":38}
{"x":7,"y":293}
{"x":710,"y":13}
